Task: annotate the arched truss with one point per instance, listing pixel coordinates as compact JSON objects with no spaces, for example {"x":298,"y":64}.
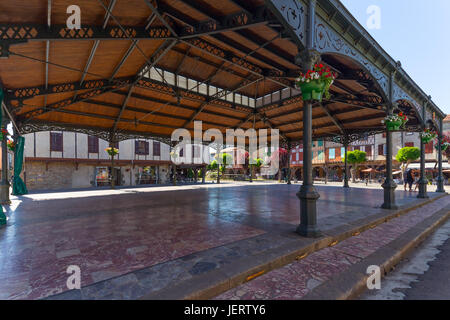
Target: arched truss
{"x":400,"y":95}
{"x":293,"y":12}
{"x":329,"y":41}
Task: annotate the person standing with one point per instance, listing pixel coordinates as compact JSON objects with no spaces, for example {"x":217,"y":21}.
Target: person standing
{"x":409,"y":179}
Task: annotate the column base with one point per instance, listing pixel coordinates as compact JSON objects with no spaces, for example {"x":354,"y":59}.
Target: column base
{"x":440,"y":185}
{"x":389,"y":195}
{"x":308,"y":212}
{"x":309,"y":231}
{"x":4,"y":194}
{"x":423,"y":189}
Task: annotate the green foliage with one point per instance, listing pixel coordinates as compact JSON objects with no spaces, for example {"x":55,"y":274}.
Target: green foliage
{"x":226,"y":158}
{"x":212,"y":166}
{"x":356,"y":157}
{"x":408,"y":154}
{"x":190,"y":173}
{"x":258,"y":162}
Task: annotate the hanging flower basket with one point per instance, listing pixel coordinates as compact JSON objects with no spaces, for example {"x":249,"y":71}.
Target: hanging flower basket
{"x":11,"y":145}
{"x":427,"y":136}
{"x":445,"y":144}
{"x":315,"y":84}
{"x":395,"y":122}
{"x":3,"y":133}
{"x":112,"y":151}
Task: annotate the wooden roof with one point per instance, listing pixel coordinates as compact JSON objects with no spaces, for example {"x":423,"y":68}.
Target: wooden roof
{"x":98,"y":77}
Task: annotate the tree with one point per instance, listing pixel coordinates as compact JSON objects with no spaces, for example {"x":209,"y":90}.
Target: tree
{"x":406,"y":155}
{"x":212,"y":166}
{"x":227,"y":159}
{"x":355,"y":157}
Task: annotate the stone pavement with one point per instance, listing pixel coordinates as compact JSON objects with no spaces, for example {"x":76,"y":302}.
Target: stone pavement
{"x":135,"y":243}
{"x":298,"y":279}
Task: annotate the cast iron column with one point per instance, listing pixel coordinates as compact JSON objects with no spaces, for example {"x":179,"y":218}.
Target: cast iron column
{"x":389,"y":184}
{"x":423,"y":182}
{"x":308,"y":195}
{"x":4,"y":185}
{"x":346,"y":164}
{"x":289,"y":163}
{"x":440,"y":178}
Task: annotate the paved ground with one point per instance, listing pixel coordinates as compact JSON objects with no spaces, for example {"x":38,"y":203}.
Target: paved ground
{"x":134,"y":241}
{"x":423,"y":275}
{"x":296,"y":280}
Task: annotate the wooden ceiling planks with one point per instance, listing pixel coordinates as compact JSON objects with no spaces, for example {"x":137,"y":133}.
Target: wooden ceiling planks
{"x":157,"y":108}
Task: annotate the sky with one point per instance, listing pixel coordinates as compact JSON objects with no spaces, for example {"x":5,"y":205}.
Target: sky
{"x":416,"y":32}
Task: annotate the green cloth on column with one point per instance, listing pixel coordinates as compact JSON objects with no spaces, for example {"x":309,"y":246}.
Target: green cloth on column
{"x":19,"y":187}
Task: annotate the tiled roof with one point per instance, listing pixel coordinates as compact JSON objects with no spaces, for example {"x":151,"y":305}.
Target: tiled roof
{"x":447,"y":119}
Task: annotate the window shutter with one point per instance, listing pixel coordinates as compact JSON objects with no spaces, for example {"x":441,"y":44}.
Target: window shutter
{"x":369,"y":151}
{"x":146,"y":145}
{"x":136,"y":147}
{"x":56,"y":141}
{"x":429,"y":147}
{"x":381,"y":150}
{"x":156,"y":149}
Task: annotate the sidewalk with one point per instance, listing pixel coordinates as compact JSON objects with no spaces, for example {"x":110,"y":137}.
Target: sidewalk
{"x":339,"y":271}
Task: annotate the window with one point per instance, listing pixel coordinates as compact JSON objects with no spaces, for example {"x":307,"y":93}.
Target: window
{"x":141,"y":147}
{"x":381,"y":149}
{"x":92,"y":144}
{"x":409,"y":144}
{"x":320,"y":143}
{"x":56,"y":141}
{"x":321,"y":155}
{"x":342,"y":152}
{"x":156,"y":149}
{"x":384,"y":135}
{"x":429,"y":147}
{"x":357,"y":148}
{"x":332,"y":154}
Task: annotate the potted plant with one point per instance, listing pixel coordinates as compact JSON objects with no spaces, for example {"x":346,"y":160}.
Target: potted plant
{"x":3,"y":133}
{"x":316,"y":83}
{"x":112,"y":151}
{"x":395,"y":122}
{"x":444,"y":144}
{"x":11,"y":145}
{"x":427,"y":136}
